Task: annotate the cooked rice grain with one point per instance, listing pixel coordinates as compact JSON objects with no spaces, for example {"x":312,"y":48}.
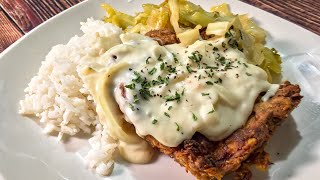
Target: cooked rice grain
{"x":57,"y":96}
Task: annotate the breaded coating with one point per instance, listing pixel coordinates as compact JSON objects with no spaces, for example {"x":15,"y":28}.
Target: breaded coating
{"x":208,"y":160}
{"x":163,"y":36}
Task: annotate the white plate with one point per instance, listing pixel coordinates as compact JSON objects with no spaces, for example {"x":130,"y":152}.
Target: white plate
{"x":25,"y":153}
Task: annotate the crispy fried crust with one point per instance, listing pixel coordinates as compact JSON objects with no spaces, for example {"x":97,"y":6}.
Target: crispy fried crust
{"x":163,"y":36}
{"x":212,"y":160}
{"x":166,"y":36}
{"x":245,"y":147}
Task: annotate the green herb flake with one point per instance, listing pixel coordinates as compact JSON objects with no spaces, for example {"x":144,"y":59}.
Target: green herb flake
{"x":210,"y":44}
{"x":195,"y":57}
{"x":178,"y":127}
{"x":135,"y":99}
{"x":215,"y":49}
{"x":162,"y":66}
{"x":223,"y":44}
{"x":205,"y":94}
{"x":190,"y":70}
{"x":170,"y":107}
{"x":166,"y":114}
{"x":154,"y":121}
{"x":160,"y":58}
{"x":145,"y":93}
{"x":177,"y":97}
{"x":222,"y":60}
{"x":175,"y":58}
{"x":138,"y":78}
{"x":228,"y":34}
{"x":248,"y":74}
{"x":171,"y":69}
{"x":245,"y":65}
{"x":194,"y":117}
{"x":209,"y":83}
{"x":152,"y":71}
{"x":199,"y":77}
{"x":147,"y":60}
{"x":233,"y":43}
{"x":146,"y":84}
{"x":131,"y":106}
{"x":131,"y":86}
{"x":212,"y":111}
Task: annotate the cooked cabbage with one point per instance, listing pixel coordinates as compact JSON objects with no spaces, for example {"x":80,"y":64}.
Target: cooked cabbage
{"x":249,"y":37}
{"x":222,"y":9}
{"x":218,"y":28}
{"x":189,"y":36}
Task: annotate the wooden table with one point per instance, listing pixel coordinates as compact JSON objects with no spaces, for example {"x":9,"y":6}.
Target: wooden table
{"x":18,"y":17}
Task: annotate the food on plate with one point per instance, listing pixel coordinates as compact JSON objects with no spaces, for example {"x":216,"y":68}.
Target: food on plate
{"x":196,"y":85}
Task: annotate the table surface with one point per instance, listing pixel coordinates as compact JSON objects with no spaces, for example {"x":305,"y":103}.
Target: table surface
{"x":18,"y":17}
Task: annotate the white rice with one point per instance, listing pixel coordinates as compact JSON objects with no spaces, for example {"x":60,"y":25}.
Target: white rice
{"x":58,"y":97}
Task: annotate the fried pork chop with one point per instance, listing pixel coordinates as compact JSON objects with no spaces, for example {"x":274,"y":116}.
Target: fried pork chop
{"x":208,"y":160}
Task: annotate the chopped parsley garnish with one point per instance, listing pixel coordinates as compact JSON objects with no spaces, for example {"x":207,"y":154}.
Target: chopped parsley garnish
{"x":248,"y":74}
{"x":177,"y":97}
{"x":199,"y":77}
{"x":175,"y":58}
{"x":170,"y":107}
{"x":154,"y":121}
{"x":147,"y":60}
{"x":223,"y":44}
{"x":135,"y":99}
{"x":222,"y":60}
{"x":146,"y":84}
{"x":210,"y":44}
{"x":152,"y":71}
{"x":189,"y":69}
{"x":196,"y":57}
{"x":205,"y":94}
{"x":209,"y":74}
{"x":218,"y":81}
{"x":212,"y":111}
{"x":162,"y":66}
{"x":162,"y":80}
{"x":183,"y":91}
{"x":245,"y":65}
{"x":160,"y":58}
{"x":178,"y":127}
{"x":131,"y":106}
{"x":228,"y":34}
{"x":171,"y":69}
{"x":210,"y":67}
{"x":145,"y":93}
{"x":215,"y":49}
{"x":138,"y":78}
{"x":131,"y":86}
{"x":166,"y":114}
{"x":194,"y":117}
{"x":233,"y":43}
{"x":209,"y":83}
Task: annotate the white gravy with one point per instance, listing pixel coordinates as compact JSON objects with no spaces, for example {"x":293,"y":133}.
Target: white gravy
{"x":172,"y":91}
